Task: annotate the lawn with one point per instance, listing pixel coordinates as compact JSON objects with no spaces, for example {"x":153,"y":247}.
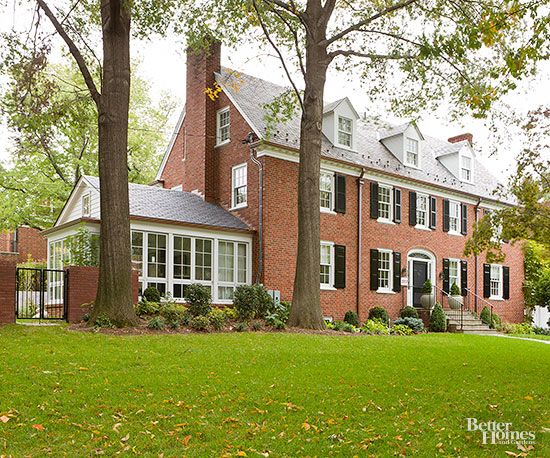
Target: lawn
{"x":252,"y":394}
{"x":533,"y":336}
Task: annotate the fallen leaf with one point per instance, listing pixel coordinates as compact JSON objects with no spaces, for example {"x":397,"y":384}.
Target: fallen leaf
{"x":38,"y":427}
{"x":4,"y":419}
{"x":528,"y":398}
{"x":241,"y":453}
{"x":125,"y":438}
{"x":116,"y":426}
{"x":306,"y":425}
{"x":186,"y":439}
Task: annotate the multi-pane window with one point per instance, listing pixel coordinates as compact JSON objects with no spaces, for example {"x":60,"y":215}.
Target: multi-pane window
{"x":411,"y":151}
{"x":239,"y":180}
{"x":385,"y":202}
{"x":454,"y":217}
{"x":326,"y":264}
{"x":384,"y":269}
{"x":454,"y":273}
{"x":345,"y":131}
{"x":231,"y":266}
{"x":203,"y":259}
{"x":182,"y":257}
{"x":326,"y":190}
{"x":86,"y":205}
{"x":466,"y":169}
{"x":156,"y":255}
{"x":241,"y":263}
{"x":223,"y":126}
{"x":422,"y":207}
{"x":496,"y":281}
{"x":137,"y":251}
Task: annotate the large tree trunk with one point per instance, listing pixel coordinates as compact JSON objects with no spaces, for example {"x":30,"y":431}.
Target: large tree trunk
{"x":306,"y":300}
{"x":114,"y":292}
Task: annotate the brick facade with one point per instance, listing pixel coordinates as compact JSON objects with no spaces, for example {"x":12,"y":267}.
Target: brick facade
{"x":24,"y":242}
{"x":203,"y":161}
{"x":7,"y":291}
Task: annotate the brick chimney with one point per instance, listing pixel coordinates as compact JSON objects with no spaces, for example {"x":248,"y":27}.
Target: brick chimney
{"x":200,"y":122}
{"x":459,"y":138}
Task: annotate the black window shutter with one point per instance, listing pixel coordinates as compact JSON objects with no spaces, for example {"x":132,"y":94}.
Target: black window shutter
{"x":505,"y":282}
{"x":374,"y":200}
{"x":396,"y":271}
{"x":339,"y":266}
{"x":486,"y":280}
{"x":433,"y":212}
{"x":464,"y":277}
{"x":396,"y":205}
{"x":464,"y":213}
{"x":446,"y":275}
{"x":340,"y":194}
{"x":373,"y":270}
{"x":412,"y":208}
{"x":445,"y":215}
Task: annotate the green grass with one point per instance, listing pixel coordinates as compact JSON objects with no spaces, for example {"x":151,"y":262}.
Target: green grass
{"x":532,"y":336}
{"x":282,"y":394}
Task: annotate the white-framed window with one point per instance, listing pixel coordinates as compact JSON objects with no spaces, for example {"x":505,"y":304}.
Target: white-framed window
{"x":137,"y":252}
{"x":422,"y":210}
{"x":86,"y":204}
{"x":231,"y":269}
{"x":496,"y":281}
{"x":203,"y":259}
{"x":454,"y":217}
{"x":454,"y":273}
{"x":181,"y":258}
{"x":466,"y":168}
{"x":239,"y":186}
{"x":385,"y":274}
{"x":156,"y":255}
{"x":412,"y":152}
{"x":327,"y":265}
{"x":223,"y":126}
{"x":385,"y":202}
{"x":345,"y":131}
{"x":326,"y":187}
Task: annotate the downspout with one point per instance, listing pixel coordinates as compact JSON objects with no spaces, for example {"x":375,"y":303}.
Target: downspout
{"x":360,"y":183}
{"x":252,"y":143}
{"x":476,"y":268}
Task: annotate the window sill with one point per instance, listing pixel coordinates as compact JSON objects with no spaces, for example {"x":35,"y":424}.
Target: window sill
{"x":456,"y":234}
{"x":346,"y":147}
{"x":385,"y":291}
{"x":238,"y":207}
{"x":496,"y":298}
{"x":385,"y":221}
{"x":422,"y":228}
{"x":225,"y":142}
{"x":327,"y":288}
{"x":327,"y":211}
{"x":412,"y":166}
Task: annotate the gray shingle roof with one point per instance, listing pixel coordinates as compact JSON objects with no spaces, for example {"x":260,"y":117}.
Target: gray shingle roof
{"x":183,"y":207}
{"x":251,"y":94}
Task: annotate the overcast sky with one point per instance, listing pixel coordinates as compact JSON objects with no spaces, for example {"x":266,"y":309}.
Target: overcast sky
{"x":163,"y":64}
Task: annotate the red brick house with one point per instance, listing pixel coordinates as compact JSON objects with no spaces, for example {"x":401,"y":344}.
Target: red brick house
{"x":397,"y":206}
{"x":22,"y":243}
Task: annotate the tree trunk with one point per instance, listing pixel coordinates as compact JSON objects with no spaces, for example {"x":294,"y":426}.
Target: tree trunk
{"x":114,"y":293}
{"x":306,"y":300}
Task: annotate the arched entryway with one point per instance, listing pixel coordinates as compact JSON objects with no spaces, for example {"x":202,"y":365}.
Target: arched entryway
{"x":420,"y":267}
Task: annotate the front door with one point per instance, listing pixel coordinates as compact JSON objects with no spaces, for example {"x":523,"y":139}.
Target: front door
{"x":420,"y":275}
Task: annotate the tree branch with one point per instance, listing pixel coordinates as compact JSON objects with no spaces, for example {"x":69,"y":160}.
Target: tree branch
{"x":96,"y":96}
{"x":349,"y":52}
{"x":360,"y":24}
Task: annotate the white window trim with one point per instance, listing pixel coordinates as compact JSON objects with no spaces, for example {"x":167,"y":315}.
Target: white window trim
{"x":380,"y":218}
{"x":244,"y":204}
{"x":405,"y":150}
{"x":235,"y":282}
{"x":461,"y":158}
{"x":219,"y":142}
{"x":88,"y":213}
{"x":425,"y":226}
{"x":179,"y":187}
{"x":389,"y":289}
{"x":458,"y":273}
{"x":332,"y":193}
{"x":337,"y":131}
{"x":498,"y":297}
{"x":452,"y":231}
{"x":330,"y":285}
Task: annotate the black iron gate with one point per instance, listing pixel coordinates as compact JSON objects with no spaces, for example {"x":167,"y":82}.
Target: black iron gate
{"x":41,"y":294}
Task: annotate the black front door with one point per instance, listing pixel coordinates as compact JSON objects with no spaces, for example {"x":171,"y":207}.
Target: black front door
{"x":420,"y":275}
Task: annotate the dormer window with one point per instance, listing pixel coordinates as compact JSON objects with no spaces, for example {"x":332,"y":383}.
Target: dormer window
{"x":411,"y":152}
{"x":222,"y":126}
{"x":466,"y":169}
{"x":86,"y":205}
{"x":345,"y":131}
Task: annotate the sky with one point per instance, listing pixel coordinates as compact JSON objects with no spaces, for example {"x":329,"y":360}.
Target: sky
{"x":163,"y":65}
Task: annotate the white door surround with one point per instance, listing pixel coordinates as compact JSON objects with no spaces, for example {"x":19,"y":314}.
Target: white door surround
{"x":419,"y":255}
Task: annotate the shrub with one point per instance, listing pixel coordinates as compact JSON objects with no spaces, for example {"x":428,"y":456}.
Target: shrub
{"x":379,"y":313}
{"x":241,"y":326}
{"x":408,"y":312}
{"x":230,"y":313}
{"x":275,"y":322}
{"x":455,"y":290}
{"x":485,"y":316}
{"x":401,"y":330}
{"x":199,"y":323}
{"x":151,"y":294}
{"x":427,"y":287}
{"x":343,"y":326}
{"x":146,"y":308}
{"x":541,"y":331}
{"x":517,"y":328}
{"x":329,"y":324}
{"x":252,"y":301}
{"x":438,"y":320}
{"x":278,"y":312}
{"x":173,"y":313}
{"x":198,"y":298}
{"x":351,"y":318}
{"x":217,"y":318}
{"x":415,"y":324}
{"x":256,"y":325}
{"x":497,"y":321}
{"x":157,"y":323}
{"x":103,"y":321}
{"x":375,"y":327}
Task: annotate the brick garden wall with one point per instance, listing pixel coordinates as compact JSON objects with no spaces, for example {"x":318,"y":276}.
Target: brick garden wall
{"x":7,"y":291}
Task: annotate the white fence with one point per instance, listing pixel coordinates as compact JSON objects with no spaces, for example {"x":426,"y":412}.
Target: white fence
{"x":541,"y":315}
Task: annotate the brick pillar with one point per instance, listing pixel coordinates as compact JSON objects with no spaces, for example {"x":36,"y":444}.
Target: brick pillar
{"x":82,"y":289}
{"x":7,"y":291}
